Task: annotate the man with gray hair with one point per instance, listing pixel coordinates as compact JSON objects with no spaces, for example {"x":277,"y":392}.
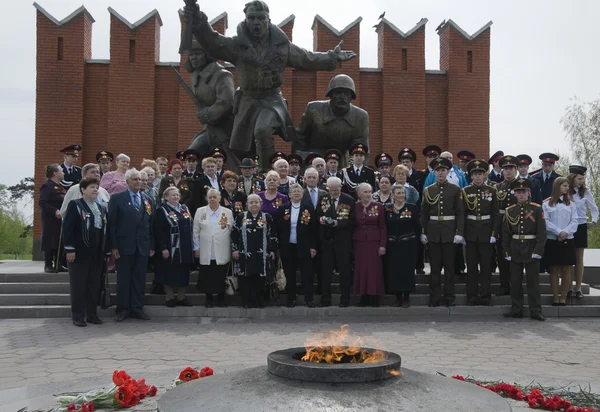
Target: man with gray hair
{"x":335,"y":214}
{"x":312,"y":192}
{"x":89,"y":171}
{"x":131,"y":240}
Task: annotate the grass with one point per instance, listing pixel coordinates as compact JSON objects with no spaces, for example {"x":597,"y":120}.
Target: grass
{"x":8,"y":256}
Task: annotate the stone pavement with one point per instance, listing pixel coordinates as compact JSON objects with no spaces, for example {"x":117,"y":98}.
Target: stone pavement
{"x":40,"y":351}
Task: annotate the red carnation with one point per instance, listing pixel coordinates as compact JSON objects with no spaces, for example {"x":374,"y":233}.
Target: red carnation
{"x":142,"y":388}
{"x":206,"y":371}
{"x":152,"y":391}
{"x":72,"y":407}
{"x":120,"y":377}
{"x":189,"y":374}
{"x":126,"y":396}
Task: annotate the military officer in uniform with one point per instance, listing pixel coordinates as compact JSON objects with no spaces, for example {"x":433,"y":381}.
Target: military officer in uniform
{"x":496,"y":172}
{"x":332,"y":159}
{"x":442,"y":222}
{"x":357,"y":172}
{"x":104,"y":159}
{"x":464,"y":157}
{"x":248,"y":182}
{"x":295,"y":161}
{"x":430,"y":152}
{"x":547,"y":175}
{"x":416,"y":178}
{"x":383,"y":162}
{"x":221,"y":158}
{"x":191,"y":171}
{"x":523,"y":169}
{"x":506,"y":198}
{"x":523,"y":240}
{"x":481,"y":208}
{"x":70,"y":169}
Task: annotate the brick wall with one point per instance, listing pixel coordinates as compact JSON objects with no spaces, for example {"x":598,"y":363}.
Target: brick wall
{"x":134,"y":104}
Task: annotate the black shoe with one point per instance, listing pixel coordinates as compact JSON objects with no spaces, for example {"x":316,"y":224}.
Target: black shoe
{"x":375,"y":301}
{"x":79,"y":322}
{"x":503,"y":292}
{"x":48,"y":269}
{"x":406,"y":304}
{"x":570,"y":294}
{"x":222,"y":304}
{"x":95,"y":321}
{"x":420,"y":272}
{"x":434,"y":303}
{"x":517,"y":315}
{"x":555,"y":304}
{"x":327,"y":303}
{"x":341,"y":305}
{"x":184,"y":302}
{"x":142,"y":316}
{"x":485,"y":302}
{"x":450,"y":303}
{"x":171,"y":303}
{"x":562,"y":304}
{"x":63,"y":269}
{"x":472,"y":302}
{"x":291,"y":304}
{"x":579,"y":295}
{"x":311,"y":304}
{"x":539,"y":317}
{"x":120,"y":318}
{"x":208,"y":305}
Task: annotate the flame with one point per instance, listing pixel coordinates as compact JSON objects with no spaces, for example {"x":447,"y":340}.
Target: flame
{"x":395,"y":372}
{"x":334,"y":346}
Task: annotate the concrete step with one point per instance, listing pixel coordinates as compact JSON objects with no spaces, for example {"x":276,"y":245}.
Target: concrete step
{"x":34,"y":299}
{"x":63,"y":287}
{"x":384,"y":313}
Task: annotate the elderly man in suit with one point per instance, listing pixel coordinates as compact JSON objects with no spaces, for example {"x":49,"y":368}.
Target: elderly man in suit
{"x":130,"y":216}
{"x":313,"y":195}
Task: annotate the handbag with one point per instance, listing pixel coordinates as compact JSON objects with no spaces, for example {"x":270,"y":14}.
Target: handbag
{"x":105,"y":292}
{"x":280,"y":278}
{"x":231,"y":282}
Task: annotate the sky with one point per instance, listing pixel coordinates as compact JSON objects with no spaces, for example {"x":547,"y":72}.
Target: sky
{"x":541,"y":56}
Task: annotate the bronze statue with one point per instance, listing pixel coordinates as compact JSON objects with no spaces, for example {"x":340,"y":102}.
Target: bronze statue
{"x":260,"y":53}
{"x":212,"y":92}
{"x":333,"y":124}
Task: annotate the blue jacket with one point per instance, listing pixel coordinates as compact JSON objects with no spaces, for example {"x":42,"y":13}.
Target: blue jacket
{"x":431,"y":179}
{"x":130,"y":229}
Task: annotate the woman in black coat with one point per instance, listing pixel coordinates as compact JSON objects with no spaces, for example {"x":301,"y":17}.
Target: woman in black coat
{"x":51,"y":199}
{"x":84,"y":234}
{"x":232,"y":198}
{"x":297,"y":233}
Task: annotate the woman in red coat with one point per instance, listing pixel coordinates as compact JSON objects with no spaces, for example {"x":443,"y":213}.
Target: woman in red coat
{"x":369,"y":238}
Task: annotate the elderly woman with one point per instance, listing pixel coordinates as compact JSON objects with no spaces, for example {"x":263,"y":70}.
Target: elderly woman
{"x":369,"y":238}
{"x":384,"y":194}
{"x":297,"y":232}
{"x":114,"y":182}
{"x":403,"y":230}
{"x":200,"y":186}
{"x":254,"y":244}
{"x":400,"y":175}
{"x":173,"y":229}
{"x":212,"y":229}
{"x":84,"y":234}
{"x":150,"y":190}
{"x":282,"y":167}
{"x":52,"y":195}
{"x":271,"y":197}
{"x":232,"y":198}
{"x":154,"y":177}
{"x":177,"y":180}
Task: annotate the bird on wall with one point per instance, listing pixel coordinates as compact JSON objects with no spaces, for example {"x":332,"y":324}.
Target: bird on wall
{"x":381,"y":16}
{"x":441,"y":25}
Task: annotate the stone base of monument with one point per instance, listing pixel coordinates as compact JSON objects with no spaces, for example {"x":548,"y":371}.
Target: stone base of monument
{"x":259,"y":389}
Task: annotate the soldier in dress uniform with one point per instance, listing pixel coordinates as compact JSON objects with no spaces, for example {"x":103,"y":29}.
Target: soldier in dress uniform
{"x":295,"y":161}
{"x":506,"y":198}
{"x":523,"y":169}
{"x":104,"y":159}
{"x":332,"y":159}
{"x":248,"y":182}
{"x":70,"y":169}
{"x":547,"y":175}
{"x":464,"y":157}
{"x":442,"y":222}
{"x":221,"y":158}
{"x":383,"y":162}
{"x":481,"y":208}
{"x":357,"y":172}
{"x":416,"y":178}
{"x":496,"y":172}
{"x":523,"y":240}
{"x":191,"y":171}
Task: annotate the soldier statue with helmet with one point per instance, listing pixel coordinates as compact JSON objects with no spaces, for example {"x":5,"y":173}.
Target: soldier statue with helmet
{"x":334,"y":124}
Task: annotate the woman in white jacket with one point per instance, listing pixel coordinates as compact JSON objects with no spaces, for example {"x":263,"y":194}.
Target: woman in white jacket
{"x":561,"y":224}
{"x":212,"y":229}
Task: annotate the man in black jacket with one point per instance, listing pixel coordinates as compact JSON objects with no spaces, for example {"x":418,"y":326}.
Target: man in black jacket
{"x":547,"y":175}
{"x":335,"y":215}
{"x":357,"y":172}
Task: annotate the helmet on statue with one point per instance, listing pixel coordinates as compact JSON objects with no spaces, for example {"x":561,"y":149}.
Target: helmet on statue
{"x":342,"y":81}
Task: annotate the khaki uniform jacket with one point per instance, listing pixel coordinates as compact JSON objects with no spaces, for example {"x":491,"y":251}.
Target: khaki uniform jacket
{"x":505,"y":199}
{"x":481,"y":212}
{"x":441,"y":200}
{"x":526,"y":221}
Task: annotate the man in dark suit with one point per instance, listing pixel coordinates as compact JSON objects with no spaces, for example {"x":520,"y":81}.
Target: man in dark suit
{"x":221,"y":159}
{"x":130,"y":236}
{"x":333,"y":158}
{"x":191,"y":171}
{"x":70,"y":169}
{"x":210,"y":180}
{"x":547,"y":175}
{"x":357,"y":172}
{"x":496,"y":174}
{"x":523,"y":168}
{"x":335,"y":214}
{"x":464,"y":157}
{"x":431,"y":153}
{"x":297,"y":233}
{"x":416,"y":178}
{"x":313,"y":195}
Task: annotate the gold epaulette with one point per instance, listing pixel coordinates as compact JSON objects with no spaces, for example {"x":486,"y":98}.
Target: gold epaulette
{"x":535,"y":204}
{"x":510,"y":207}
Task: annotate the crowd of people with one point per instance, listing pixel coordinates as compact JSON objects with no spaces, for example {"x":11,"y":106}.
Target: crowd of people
{"x":310,"y":218}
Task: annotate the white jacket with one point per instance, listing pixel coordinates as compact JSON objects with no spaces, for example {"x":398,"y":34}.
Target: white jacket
{"x":221,"y":235}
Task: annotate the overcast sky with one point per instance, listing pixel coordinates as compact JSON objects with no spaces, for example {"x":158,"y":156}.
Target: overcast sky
{"x":542,"y":54}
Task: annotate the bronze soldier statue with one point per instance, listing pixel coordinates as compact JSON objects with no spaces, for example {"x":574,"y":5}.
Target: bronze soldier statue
{"x":260,"y":53}
{"x":336,"y":123}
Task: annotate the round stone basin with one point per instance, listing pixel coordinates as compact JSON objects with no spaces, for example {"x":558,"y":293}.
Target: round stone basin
{"x":287,"y":364}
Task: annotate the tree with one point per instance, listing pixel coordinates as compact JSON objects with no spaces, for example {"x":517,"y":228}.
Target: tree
{"x":22,"y":190}
{"x":15,"y":234}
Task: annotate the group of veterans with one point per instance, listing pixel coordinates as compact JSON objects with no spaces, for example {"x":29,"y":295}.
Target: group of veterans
{"x":310,"y":218}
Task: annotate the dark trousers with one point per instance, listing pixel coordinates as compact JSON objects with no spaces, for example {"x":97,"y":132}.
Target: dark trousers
{"x":49,"y":257}
{"x":421,"y":257}
{"x":343,"y":258}
{"x":532,"y":279}
{"x":441,"y":255}
{"x":479,"y":257}
{"x":85,"y":278}
{"x":459,"y":260}
{"x":131,"y":283}
{"x":291,"y":264}
{"x":251,"y":289}
{"x":503,"y":268}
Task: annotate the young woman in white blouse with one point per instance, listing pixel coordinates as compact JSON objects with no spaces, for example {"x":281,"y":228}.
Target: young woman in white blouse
{"x":561,"y":224}
{"x":584,"y":201}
